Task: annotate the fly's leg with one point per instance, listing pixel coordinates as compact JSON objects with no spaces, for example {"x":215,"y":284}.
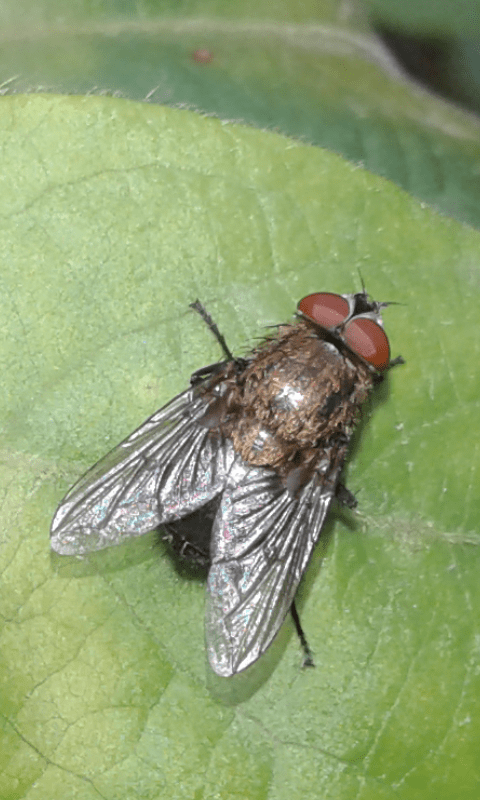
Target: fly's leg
{"x":198,"y":307}
{"x":204,"y":372}
{"x":395,"y":362}
{"x":307,"y":653}
{"x":345,"y":497}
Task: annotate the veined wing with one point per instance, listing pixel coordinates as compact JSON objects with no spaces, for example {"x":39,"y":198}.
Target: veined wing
{"x":167,"y":468}
{"x":262,"y":540}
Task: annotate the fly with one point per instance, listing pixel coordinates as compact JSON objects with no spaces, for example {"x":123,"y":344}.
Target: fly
{"x":241,"y":469}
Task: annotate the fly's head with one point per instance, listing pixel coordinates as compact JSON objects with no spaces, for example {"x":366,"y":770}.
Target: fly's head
{"x":353,"y":321}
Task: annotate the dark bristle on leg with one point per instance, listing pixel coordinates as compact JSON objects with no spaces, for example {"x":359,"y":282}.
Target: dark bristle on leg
{"x":307,"y":653}
{"x":197,"y":306}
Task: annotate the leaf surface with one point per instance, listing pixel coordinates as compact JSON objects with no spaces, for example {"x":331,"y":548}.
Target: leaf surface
{"x":115,"y":216}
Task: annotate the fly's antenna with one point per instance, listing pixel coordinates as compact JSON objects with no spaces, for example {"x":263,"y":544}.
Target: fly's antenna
{"x":200,"y":309}
{"x":382,"y":304}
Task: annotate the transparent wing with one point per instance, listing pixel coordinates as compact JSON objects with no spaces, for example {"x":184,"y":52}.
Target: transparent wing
{"x":170,"y":466}
{"x":262,"y":539}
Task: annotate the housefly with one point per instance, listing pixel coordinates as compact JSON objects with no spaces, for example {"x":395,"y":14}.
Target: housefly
{"x":241,"y":468}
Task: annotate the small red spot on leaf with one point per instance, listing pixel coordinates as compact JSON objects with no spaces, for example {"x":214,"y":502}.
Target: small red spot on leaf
{"x":202,"y":56}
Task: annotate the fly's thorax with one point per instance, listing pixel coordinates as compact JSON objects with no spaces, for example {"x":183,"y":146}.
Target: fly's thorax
{"x":296,"y":392}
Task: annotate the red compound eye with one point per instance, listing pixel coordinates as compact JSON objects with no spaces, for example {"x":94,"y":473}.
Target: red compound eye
{"x":369,"y":341}
{"x":324,"y":308}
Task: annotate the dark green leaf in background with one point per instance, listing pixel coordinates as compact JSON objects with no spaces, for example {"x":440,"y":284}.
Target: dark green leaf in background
{"x":310,"y":70}
{"x":115,"y":215}
{"x":434,"y":17}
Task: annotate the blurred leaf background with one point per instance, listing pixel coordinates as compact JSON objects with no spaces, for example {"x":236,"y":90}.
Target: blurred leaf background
{"x":114,"y":217}
{"x":314,"y":70}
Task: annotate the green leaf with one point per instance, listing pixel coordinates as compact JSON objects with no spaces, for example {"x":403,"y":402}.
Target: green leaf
{"x":442,"y":18}
{"x":115,"y":216}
